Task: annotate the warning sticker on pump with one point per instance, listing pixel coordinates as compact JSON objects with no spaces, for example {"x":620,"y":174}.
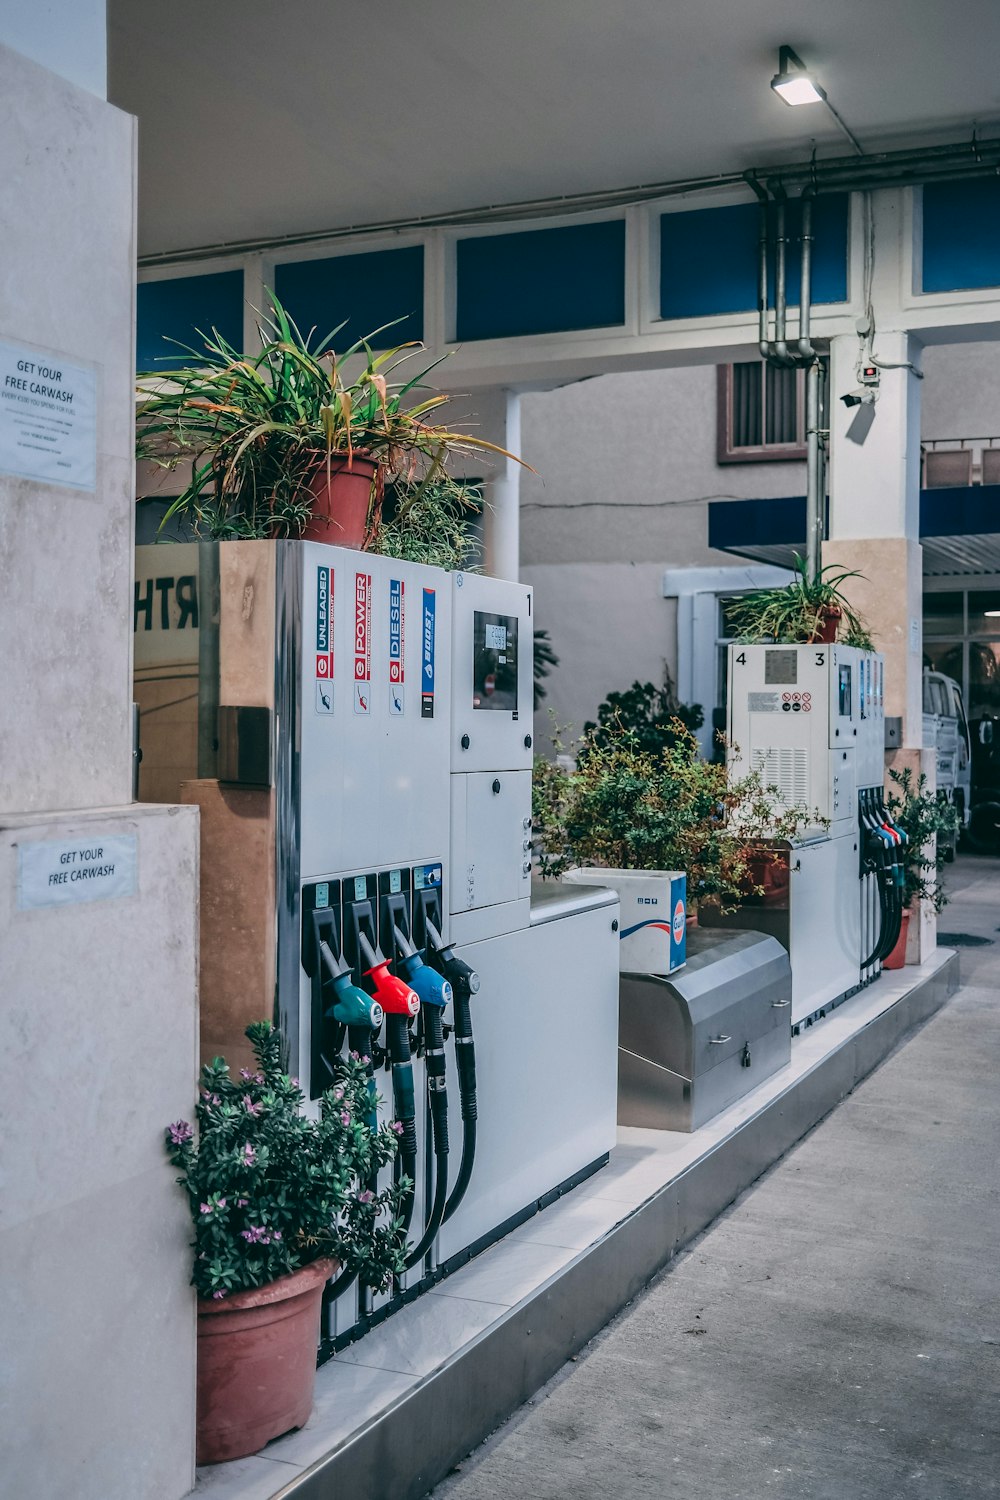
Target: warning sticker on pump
{"x":764,"y":703}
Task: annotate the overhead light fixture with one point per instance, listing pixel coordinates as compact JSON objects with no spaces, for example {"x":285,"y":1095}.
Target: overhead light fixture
{"x":793,"y":82}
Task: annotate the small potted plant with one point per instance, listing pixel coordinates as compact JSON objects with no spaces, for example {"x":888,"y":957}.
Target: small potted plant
{"x":804,"y":611}
{"x":930,"y":825}
{"x":278,"y":1199}
{"x":294,"y":440}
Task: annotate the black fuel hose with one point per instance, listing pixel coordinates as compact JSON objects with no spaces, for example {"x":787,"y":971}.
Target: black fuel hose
{"x":465,"y":1058}
{"x":437,"y":1088}
{"x":398,"y":1037}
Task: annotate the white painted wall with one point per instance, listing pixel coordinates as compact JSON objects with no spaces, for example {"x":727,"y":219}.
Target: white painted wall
{"x":626,"y":469}
{"x":68,"y":36}
{"x":960,"y":392}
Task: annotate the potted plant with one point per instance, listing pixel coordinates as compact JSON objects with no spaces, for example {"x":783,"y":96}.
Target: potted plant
{"x":294,"y":439}
{"x":929,"y":824}
{"x":278,"y":1199}
{"x":628,"y":807}
{"x":804,"y":611}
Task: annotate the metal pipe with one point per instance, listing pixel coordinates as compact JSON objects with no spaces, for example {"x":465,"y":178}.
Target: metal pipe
{"x":762,"y":342}
{"x":814,"y":498}
{"x":779,"y":349}
{"x":804,"y":346}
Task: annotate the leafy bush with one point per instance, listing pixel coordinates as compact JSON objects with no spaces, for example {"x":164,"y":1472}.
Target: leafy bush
{"x":922,"y":817}
{"x":544,"y":659}
{"x":271,"y":1190}
{"x":646,"y":713}
{"x":625,"y":806}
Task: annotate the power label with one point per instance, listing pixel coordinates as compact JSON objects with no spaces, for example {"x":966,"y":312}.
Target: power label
{"x":324,"y":640}
{"x":362,"y":643}
{"x":427,"y":655}
{"x":397,"y":643}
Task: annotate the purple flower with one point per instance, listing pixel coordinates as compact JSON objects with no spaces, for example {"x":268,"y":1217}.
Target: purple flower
{"x":397,"y":1127}
{"x":242,"y":1202}
{"x":249,"y":1155}
{"x":246,"y":1074}
{"x":295,"y":1083}
{"x":366,"y":1061}
{"x":249,"y":1106}
{"x":338,"y":1093}
{"x":206,"y":1208}
{"x":221,"y":1203}
{"x":356,"y":1056}
{"x":181,"y":1133}
{"x":218,"y":1295}
{"x":345,"y":1118}
{"x":276,"y":1235}
{"x":366,"y":1196}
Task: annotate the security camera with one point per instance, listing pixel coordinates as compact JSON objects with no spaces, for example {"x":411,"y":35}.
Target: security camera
{"x":863,"y":396}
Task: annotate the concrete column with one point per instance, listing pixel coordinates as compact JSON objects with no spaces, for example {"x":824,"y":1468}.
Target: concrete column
{"x":98,"y":895}
{"x":875,"y":513}
{"x":497,"y":418}
{"x":875,"y":528}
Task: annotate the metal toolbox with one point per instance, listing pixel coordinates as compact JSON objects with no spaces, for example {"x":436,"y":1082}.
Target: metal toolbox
{"x":691,"y":1044}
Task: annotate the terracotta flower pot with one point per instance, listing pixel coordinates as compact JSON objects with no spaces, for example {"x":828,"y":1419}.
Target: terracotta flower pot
{"x":897,"y":958}
{"x":342,"y":500}
{"x":829,"y":622}
{"x":257,"y":1363}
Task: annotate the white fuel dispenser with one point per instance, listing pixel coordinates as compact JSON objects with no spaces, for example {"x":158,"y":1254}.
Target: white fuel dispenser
{"x":372,"y":815}
{"x":811,"y":720}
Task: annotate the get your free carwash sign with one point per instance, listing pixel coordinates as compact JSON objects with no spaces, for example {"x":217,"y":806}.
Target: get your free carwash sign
{"x":48,"y":418}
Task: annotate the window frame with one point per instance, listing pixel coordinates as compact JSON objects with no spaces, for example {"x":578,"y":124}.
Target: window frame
{"x":727,"y":453}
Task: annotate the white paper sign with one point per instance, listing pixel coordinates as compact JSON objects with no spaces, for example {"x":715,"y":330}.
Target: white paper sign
{"x":56,"y":872}
{"x":48,"y":418}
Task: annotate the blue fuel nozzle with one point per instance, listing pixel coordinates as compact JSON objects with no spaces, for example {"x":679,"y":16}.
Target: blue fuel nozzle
{"x":433,"y":988}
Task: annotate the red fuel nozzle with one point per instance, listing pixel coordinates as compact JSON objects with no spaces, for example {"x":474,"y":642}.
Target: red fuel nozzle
{"x":395,"y":997}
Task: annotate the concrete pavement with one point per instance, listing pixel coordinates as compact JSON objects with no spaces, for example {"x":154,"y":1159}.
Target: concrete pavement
{"x":836,"y":1334}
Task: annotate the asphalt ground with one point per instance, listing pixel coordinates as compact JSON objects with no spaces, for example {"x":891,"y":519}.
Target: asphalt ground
{"x":835,"y":1335}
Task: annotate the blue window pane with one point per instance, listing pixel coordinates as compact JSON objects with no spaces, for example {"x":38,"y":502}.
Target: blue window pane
{"x":961,"y":235}
{"x":708,"y":257}
{"x":176,"y":309}
{"x":541,"y":281}
{"x":362,"y":291}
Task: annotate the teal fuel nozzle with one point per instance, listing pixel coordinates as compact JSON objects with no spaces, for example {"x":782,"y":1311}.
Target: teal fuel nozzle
{"x":352,"y":1005}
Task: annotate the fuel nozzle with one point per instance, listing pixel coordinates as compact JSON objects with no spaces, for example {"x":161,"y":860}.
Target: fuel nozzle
{"x":461,"y":975}
{"x":395,"y":997}
{"x":351,"y":1006}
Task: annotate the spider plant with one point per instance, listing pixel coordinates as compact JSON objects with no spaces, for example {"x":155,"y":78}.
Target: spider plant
{"x":798,"y":612}
{"x":257,"y":428}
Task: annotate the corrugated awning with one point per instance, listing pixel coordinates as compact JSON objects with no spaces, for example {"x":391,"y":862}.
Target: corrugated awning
{"x":959,"y":530}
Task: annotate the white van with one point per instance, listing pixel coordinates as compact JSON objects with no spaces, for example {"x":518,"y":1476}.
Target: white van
{"x":947,"y":730}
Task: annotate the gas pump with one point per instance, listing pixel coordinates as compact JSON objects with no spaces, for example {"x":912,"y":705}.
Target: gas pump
{"x":810,"y":719}
{"x":367,"y":851}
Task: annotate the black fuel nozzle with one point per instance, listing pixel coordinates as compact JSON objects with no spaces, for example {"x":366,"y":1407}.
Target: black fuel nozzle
{"x":463,"y":977}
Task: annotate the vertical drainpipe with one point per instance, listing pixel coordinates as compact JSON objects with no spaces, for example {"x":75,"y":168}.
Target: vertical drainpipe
{"x":814,"y":404}
{"x":780,"y":347}
{"x":762,"y":310}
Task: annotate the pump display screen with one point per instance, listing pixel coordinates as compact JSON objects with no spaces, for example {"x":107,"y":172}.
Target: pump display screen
{"x":844,"y":692}
{"x":494,"y":655}
{"x":781,"y":667}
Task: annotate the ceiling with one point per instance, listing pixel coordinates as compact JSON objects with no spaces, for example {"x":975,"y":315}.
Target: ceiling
{"x":266,"y":118}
